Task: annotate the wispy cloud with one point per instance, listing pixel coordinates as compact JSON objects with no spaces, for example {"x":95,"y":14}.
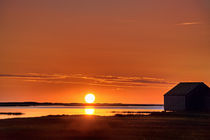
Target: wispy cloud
{"x":188,"y":23}
{"x":99,"y":80}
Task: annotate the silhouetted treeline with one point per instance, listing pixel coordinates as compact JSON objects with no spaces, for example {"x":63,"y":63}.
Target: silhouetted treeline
{"x":70,"y":104}
{"x":11,"y":113}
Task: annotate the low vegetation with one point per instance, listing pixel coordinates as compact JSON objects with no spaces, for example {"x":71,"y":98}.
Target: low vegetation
{"x":133,"y":127}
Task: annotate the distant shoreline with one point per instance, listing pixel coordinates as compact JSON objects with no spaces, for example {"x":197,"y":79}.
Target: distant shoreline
{"x":11,"y":113}
{"x":70,"y":104}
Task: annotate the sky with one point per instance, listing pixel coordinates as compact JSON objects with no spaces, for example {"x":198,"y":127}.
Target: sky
{"x":123,"y":51}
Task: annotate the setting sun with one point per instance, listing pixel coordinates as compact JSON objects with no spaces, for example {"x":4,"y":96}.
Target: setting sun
{"x":90,"y":98}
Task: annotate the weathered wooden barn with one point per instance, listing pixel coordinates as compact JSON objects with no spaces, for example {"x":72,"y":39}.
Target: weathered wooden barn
{"x":188,"y":96}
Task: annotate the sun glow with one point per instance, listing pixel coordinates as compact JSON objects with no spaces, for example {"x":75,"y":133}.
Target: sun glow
{"x":89,"y":111}
{"x":90,"y":98}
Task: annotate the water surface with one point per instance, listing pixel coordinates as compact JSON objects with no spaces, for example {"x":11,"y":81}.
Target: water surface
{"x":37,"y":111}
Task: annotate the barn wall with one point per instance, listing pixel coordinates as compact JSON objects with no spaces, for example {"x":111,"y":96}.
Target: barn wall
{"x":207,"y":103}
{"x":197,"y":100}
{"x":174,"y":103}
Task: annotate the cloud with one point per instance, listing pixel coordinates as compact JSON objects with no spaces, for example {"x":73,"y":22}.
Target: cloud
{"x":98,"y":80}
{"x":188,"y":23}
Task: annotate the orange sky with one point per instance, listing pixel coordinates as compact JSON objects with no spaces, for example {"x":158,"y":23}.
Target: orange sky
{"x":127,"y":51}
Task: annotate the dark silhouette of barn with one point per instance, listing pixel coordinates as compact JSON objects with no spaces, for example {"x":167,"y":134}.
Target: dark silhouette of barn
{"x":193,"y":96}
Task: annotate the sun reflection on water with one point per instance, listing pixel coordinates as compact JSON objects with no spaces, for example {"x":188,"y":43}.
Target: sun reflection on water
{"x":89,"y":111}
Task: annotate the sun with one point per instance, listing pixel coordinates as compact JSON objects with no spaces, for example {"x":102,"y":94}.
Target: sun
{"x":90,"y":98}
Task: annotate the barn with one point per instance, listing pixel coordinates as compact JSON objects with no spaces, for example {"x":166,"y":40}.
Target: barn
{"x":188,"y":96}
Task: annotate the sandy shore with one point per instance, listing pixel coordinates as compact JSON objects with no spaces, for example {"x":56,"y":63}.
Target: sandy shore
{"x":110,"y":128}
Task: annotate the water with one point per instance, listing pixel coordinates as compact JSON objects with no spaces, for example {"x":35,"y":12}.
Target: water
{"x":37,"y":111}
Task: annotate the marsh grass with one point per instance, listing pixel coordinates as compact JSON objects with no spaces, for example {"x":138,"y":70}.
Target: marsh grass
{"x":135,"y":127}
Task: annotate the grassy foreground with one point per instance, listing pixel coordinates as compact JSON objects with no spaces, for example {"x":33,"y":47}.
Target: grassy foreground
{"x":110,"y":128}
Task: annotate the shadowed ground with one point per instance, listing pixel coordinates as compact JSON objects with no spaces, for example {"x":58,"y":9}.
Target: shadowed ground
{"x":96,"y":128}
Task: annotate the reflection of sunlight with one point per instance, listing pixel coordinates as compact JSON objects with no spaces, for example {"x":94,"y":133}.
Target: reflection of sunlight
{"x":89,"y":111}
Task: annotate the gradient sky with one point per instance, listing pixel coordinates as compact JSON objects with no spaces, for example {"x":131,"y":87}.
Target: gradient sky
{"x":128,"y":51}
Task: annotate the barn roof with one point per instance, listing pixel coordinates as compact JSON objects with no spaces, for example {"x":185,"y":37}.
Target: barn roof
{"x":184,"y":88}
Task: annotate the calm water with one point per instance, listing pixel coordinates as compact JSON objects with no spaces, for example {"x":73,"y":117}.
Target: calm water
{"x":37,"y":111}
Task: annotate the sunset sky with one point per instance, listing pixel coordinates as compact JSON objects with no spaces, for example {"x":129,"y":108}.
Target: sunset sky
{"x":123,"y":51}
